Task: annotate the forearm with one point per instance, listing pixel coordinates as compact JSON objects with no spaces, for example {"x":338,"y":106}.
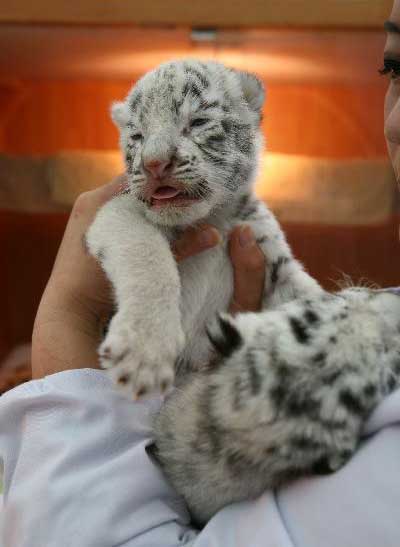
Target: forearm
{"x":65,"y":338}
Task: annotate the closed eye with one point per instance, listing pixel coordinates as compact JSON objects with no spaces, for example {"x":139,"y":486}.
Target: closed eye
{"x":197,"y":122}
{"x":391,"y":67}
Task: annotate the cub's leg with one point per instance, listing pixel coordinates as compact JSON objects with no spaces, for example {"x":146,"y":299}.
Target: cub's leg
{"x":287,"y":397}
{"x":286,"y":279}
{"x":145,"y":335}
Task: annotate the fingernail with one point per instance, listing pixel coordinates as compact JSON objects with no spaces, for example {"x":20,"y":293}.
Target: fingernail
{"x":246,"y":237}
{"x":209,"y":237}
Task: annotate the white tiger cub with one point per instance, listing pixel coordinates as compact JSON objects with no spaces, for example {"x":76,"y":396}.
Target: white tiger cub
{"x":190,"y":135}
{"x":289,"y":389}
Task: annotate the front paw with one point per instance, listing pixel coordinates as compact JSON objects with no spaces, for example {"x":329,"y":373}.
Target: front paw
{"x":140,"y":362}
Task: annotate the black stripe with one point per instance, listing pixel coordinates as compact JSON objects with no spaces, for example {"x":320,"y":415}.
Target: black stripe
{"x":227,"y":340}
{"x":217,"y":138}
{"x":227,"y":125}
{"x":135,"y":101}
{"x":277,"y":394}
{"x":370,"y":390}
{"x":201,"y":77}
{"x":351,"y":402}
{"x":392,"y":382}
{"x":177,"y":105}
{"x":331,"y":376}
{"x":238,"y":391}
{"x":396,"y":365}
{"x":217,"y":160}
{"x":254,"y":376}
{"x":242,"y":204}
{"x":311,"y":317}
{"x":205,"y":106}
{"x":296,"y":406}
{"x":276,"y":266}
{"x":321,"y":466}
{"x":183,"y":163}
{"x":319,"y":358}
{"x":299,"y":330}
{"x":305,"y":443}
{"x":192,"y":88}
{"x":203,"y":189}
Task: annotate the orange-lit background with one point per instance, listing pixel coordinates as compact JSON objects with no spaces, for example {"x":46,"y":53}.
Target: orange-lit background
{"x":324,"y":100}
{"x":337,"y":120}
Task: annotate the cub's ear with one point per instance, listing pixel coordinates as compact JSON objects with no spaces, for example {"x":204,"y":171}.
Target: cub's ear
{"x":119,"y":114}
{"x":224,"y":335}
{"x":253,"y":90}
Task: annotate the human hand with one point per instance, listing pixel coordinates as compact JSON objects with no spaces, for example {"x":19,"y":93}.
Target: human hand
{"x":77,"y":301}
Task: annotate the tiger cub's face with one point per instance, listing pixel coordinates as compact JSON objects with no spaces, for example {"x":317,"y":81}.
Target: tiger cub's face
{"x":190,"y":135}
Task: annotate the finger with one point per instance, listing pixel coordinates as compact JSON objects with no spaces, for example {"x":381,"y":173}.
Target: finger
{"x":195,"y":240}
{"x":248,"y":270}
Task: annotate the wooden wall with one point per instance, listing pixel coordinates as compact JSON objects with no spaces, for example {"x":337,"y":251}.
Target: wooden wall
{"x":320,"y":120}
{"x":207,"y":12}
{"x":56,"y":115}
{"x":337,"y":121}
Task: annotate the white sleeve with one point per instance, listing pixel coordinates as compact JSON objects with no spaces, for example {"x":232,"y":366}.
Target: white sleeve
{"x":76,"y":474}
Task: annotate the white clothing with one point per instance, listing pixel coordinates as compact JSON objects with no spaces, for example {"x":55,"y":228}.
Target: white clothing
{"x":76,"y":474}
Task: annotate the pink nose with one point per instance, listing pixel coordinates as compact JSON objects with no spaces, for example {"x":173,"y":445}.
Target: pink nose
{"x":157,"y":168}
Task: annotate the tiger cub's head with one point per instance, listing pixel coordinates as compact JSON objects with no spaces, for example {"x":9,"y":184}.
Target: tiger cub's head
{"x":190,"y":134}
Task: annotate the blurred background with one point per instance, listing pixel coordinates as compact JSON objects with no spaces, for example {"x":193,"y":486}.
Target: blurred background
{"x":325,"y":171}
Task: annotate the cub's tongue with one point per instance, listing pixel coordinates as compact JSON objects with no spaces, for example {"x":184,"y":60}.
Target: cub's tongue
{"x":165,"y":192}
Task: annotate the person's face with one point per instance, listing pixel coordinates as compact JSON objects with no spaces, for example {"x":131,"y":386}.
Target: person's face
{"x":392,"y":102}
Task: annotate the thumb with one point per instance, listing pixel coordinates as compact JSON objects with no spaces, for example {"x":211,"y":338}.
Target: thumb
{"x":249,"y":265}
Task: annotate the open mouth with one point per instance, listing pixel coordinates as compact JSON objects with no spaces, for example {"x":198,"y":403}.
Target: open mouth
{"x":166,"y":196}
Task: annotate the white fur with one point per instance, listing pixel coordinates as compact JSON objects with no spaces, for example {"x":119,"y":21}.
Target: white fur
{"x":141,"y":339}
